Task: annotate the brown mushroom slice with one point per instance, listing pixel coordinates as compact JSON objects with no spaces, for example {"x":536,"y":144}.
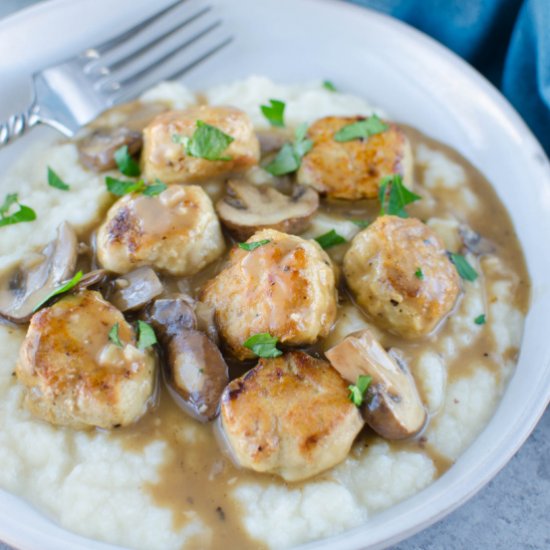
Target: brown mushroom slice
{"x":394,"y":409}
{"x":247,"y":208}
{"x":23,"y":290}
{"x":136,"y":289}
{"x":97,"y":150}
{"x":92,"y":278}
{"x":474,"y":242}
{"x":171,"y":316}
{"x":197,"y":373}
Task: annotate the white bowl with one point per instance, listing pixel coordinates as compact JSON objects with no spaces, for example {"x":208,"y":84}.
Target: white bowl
{"x":417,"y":82}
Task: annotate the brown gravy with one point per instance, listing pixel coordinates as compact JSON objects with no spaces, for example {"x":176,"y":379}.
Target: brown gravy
{"x":197,"y":477}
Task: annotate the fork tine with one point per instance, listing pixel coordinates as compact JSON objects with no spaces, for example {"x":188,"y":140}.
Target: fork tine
{"x":161,"y":60}
{"x":135,"y":54}
{"x":108,"y":45}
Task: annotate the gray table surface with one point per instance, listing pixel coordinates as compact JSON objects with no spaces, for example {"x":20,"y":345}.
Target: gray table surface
{"x":511,"y":512}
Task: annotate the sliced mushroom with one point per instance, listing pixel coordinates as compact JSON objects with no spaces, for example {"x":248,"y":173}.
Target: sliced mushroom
{"x":197,"y":373}
{"x":474,"y":242}
{"x":394,"y":409}
{"x":247,"y":208}
{"x":136,"y":289}
{"x":92,"y":278}
{"x":96,"y":151}
{"x":23,"y":290}
{"x":206,"y":321}
{"x":171,"y":316}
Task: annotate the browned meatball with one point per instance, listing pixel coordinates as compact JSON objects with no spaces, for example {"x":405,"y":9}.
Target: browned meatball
{"x":399,"y":272}
{"x":353,"y":169}
{"x":289,"y":416}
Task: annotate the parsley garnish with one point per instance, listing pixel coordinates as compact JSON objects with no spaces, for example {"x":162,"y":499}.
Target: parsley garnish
{"x":361,"y":223}
{"x":55,"y":181}
{"x":465,"y":270}
{"x":419,"y":274}
{"x":146,"y":335}
{"x":207,"y":142}
{"x":362,"y":129}
{"x":254,"y":245}
{"x":329,"y":239}
{"x":357,"y":391}
{"x":60,"y":290}
{"x":123,"y":187}
{"x":126,"y":163}
{"x":289,"y":157}
{"x":394,"y":196}
{"x":274,"y":113}
{"x":480,"y":319}
{"x":263,"y":345}
{"x":328,"y":85}
{"x":24,"y":214}
{"x":113,"y":336}
{"x":155,"y":188}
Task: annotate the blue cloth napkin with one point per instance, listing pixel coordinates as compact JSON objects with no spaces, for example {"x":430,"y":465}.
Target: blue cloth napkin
{"x":506,"y":40}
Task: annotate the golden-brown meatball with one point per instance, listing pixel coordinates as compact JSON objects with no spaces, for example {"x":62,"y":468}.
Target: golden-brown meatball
{"x":75,"y":375}
{"x":167,"y":159}
{"x":353,"y":169}
{"x":289,"y":416}
{"x":399,"y":272}
{"x":285,"y":287}
{"x":176,"y":232}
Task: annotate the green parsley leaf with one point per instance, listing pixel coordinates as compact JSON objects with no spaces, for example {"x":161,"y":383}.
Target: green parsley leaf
{"x":65,"y":287}
{"x":290,"y":155}
{"x":55,"y":181}
{"x":361,"y":223}
{"x":254,"y":245}
{"x":155,"y":188}
{"x":24,"y":214}
{"x":357,"y":391}
{"x":146,"y":335}
{"x":362,"y":129}
{"x":465,"y":270}
{"x":207,"y":142}
{"x":113,"y":336}
{"x":126,"y":163}
{"x":329,"y":239}
{"x":263,"y":345}
{"x":480,"y":319}
{"x":328,"y":85}
{"x":419,"y":274}
{"x":275,"y":112}
{"x":123,"y":187}
{"x":394,"y":196}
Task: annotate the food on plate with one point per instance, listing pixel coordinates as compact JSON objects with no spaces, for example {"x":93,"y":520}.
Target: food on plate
{"x":250,"y":317}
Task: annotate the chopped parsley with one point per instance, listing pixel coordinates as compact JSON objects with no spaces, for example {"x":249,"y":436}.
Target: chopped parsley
{"x":65,"y":287}
{"x":123,"y":187}
{"x":330,"y":239}
{"x":480,"y":319}
{"x":361,"y":129}
{"x":24,"y":214}
{"x":155,"y":188}
{"x":254,"y":245}
{"x":207,"y":142}
{"x":289,"y":157}
{"x":394,"y":196}
{"x":113,"y":336}
{"x":419,"y":273}
{"x":357,"y":391}
{"x":465,"y":270}
{"x":361,"y":223}
{"x":55,"y":181}
{"x":146,"y":335}
{"x":328,"y":85}
{"x":275,"y":112}
{"x":126,"y":163}
{"x":263,"y":345}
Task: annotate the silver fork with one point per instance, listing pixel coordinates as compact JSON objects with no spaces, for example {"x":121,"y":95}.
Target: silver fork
{"x":71,"y":94}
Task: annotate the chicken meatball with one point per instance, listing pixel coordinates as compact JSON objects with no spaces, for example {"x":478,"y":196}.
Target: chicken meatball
{"x":399,"y":273}
{"x":289,"y":416}
{"x":176,"y":232}
{"x":165,"y":155}
{"x":75,"y":375}
{"x":285,"y":287}
{"x":353,"y":169}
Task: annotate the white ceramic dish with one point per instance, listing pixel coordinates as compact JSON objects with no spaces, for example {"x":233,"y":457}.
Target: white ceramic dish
{"x":415,"y":80}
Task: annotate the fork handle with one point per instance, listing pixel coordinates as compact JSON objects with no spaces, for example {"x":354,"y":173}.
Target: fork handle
{"x":18,"y":124}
